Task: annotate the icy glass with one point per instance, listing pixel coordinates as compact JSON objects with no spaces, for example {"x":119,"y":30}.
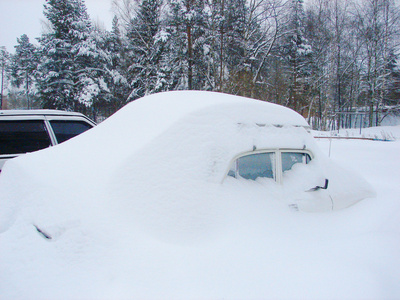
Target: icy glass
{"x":23,"y":136}
{"x":291,"y":158}
{"x":256,"y":165}
{"x":64,"y":130}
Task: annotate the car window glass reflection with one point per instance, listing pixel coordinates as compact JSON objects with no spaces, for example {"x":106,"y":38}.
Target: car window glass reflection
{"x":254,"y":166}
{"x":23,"y":136}
{"x":64,"y":130}
{"x":291,"y":158}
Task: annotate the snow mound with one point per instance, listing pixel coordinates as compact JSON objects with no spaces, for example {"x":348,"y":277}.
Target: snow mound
{"x":145,"y":142}
{"x":139,"y":207}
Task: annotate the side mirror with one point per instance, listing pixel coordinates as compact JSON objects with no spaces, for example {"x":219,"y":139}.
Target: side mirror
{"x":319,"y":187}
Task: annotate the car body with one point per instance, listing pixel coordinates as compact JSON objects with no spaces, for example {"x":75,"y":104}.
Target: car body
{"x":23,"y":131}
{"x":153,"y":202}
{"x":170,"y":157}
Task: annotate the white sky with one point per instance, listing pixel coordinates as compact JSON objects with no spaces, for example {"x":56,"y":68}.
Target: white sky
{"x":18,"y":17}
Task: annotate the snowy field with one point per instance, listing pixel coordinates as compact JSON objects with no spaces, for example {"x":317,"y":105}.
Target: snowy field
{"x":225,"y":244}
{"x":370,"y":230}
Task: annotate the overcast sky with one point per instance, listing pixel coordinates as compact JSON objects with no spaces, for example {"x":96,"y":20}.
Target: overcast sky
{"x":18,"y":17}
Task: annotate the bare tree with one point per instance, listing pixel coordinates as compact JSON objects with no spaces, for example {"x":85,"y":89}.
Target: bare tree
{"x":125,"y":10}
{"x":378,"y":29}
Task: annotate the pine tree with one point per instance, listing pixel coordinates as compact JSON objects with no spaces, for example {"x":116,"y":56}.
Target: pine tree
{"x":187,"y":24}
{"x":214,"y":45}
{"x":120,"y":88}
{"x":242,"y":33}
{"x":296,"y":53}
{"x":146,"y":46}
{"x":24,"y":65}
{"x":393,"y":86}
{"x":320,"y":34}
{"x":5,"y":66}
{"x":71,"y":73}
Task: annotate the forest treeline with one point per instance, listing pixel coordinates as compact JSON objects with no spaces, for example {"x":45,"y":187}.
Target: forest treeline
{"x":327,"y":59}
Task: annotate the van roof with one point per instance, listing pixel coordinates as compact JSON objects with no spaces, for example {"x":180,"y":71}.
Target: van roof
{"x":37,"y":112}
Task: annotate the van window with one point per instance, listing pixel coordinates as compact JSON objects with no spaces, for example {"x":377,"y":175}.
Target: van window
{"x":23,"y":136}
{"x":64,"y":130}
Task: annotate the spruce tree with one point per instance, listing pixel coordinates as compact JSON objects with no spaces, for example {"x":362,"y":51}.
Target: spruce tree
{"x":72,"y":67}
{"x":146,"y":46}
{"x":238,"y":46}
{"x":120,"y":88}
{"x":296,"y":53}
{"x":5,"y":66}
{"x":24,"y":65}
{"x":186,"y":26}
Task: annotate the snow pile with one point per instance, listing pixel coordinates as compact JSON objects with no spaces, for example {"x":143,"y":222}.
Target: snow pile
{"x":161,"y":141}
{"x":137,"y":208}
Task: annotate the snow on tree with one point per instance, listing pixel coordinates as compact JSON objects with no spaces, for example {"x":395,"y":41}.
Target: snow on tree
{"x":145,"y":50}
{"x":378,"y":27}
{"x":24,"y":65}
{"x":247,"y":44}
{"x":118,"y":83}
{"x":322,"y":64}
{"x":72,"y":67}
{"x":5,"y":66}
{"x":295,"y":50}
{"x":186,"y":26}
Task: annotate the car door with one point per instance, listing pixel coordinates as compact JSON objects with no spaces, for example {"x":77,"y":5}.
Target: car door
{"x":22,"y":135}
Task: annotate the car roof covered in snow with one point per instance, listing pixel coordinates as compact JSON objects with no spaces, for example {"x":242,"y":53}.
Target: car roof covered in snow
{"x":180,"y":103}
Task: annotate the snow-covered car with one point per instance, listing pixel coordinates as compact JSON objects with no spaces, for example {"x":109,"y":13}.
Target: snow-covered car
{"x":23,"y":131}
{"x":189,"y":139}
{"x":186,"y":195}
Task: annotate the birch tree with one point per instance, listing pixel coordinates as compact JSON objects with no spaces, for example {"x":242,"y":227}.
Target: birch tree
{"x":378,"y":29}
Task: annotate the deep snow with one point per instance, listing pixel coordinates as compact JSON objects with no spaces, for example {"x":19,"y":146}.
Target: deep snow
{"x":230,"y":241}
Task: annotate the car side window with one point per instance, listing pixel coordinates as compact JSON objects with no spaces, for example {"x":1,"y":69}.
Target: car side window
{"x":64,"y":130}
{"x":253,"y":166}
{"x":18,"y":137}
{"x":269,"y":164}
{"x":291,"y":158}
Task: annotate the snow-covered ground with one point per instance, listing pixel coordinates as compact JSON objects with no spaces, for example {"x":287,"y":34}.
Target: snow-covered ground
{"x":384,"y":133}
{"x":224,"y":243}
